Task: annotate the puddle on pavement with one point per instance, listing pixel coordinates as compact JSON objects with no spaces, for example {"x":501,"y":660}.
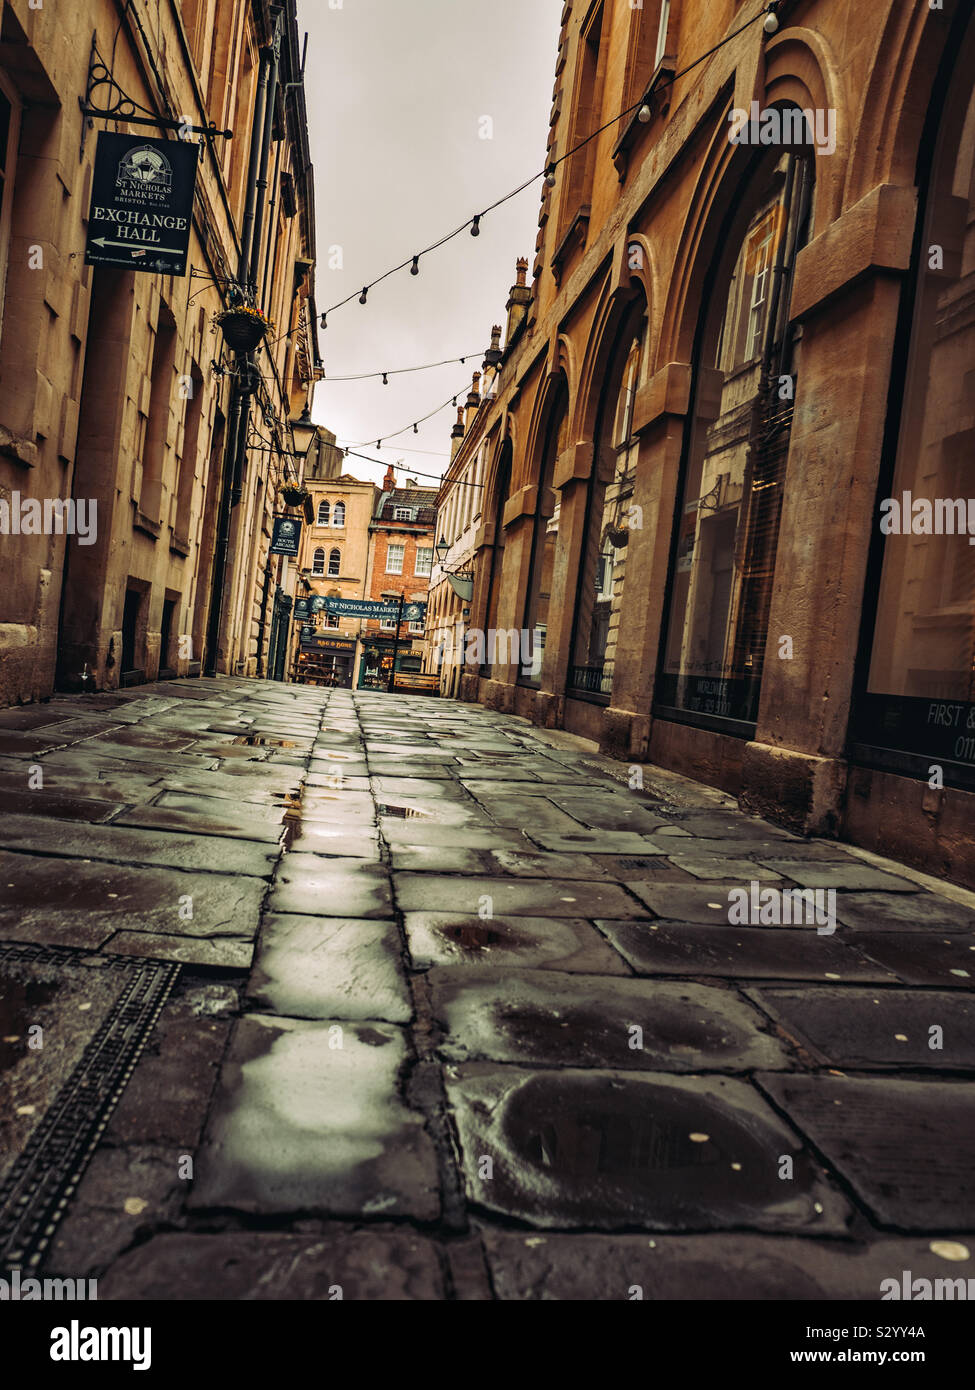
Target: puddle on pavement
{"x":291,"y":821}
{"x":626,"y":1150}
{"x":480,"y":936}
{"x":404,"y":812}
{"x":583,"y":1126}
{"x":260,"y":741}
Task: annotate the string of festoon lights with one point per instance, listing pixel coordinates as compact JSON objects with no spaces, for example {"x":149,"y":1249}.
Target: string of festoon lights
{"x":401,"y":371}
{"x":644,"y":111}
{"x":436,"y":477}
{"x":415,"y":426}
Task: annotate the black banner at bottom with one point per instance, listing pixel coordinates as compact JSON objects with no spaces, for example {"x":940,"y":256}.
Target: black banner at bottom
{"x":173,"y":1339}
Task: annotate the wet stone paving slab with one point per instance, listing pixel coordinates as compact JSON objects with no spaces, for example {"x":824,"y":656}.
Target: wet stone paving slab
{"x":306,"y":990}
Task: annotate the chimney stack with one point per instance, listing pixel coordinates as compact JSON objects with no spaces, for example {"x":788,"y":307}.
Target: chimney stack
{"x":389,"y":482}
{"x":473,"y":400}
{"x":493,"y":355}
{"x":518,"y":301}
{"x":457,"y":433}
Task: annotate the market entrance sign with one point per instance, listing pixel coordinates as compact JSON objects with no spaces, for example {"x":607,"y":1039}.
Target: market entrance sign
{"x":360,"y":608}
{"x":373,"y":608}
{"x":142,"y":203}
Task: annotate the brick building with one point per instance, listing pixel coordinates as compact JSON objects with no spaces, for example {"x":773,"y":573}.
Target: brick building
{"x":401,"y":546}
{"x":334,"y":561}
{"x":750,"y":334}
{"x":118,"y":392}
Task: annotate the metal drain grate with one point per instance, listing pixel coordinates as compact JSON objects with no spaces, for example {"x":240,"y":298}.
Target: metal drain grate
{"x":36,"y":1192}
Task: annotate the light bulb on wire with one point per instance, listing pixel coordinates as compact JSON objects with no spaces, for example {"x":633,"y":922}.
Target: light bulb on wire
{"x":415,"y":267}
{"x":550,"y":176}
{"x":645,"y":113}
{"x":770,"y":24}
{"x":476,"y":225}
{"x":362,"y":296}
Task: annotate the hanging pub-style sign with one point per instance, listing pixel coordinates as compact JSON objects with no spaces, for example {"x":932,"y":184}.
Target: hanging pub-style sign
{"x":142,"y":203}
{"x":286,"y":536}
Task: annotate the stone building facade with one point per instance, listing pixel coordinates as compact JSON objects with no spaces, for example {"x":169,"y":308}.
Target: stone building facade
{"x":750,"y":332}
{"x":459,"y":516}
{"x":117,"y":391}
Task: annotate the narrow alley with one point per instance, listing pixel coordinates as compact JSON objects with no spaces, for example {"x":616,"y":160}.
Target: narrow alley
{"x":319,"y":994}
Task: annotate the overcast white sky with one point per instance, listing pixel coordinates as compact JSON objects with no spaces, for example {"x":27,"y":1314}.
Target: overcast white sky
{"x":396,"y":91}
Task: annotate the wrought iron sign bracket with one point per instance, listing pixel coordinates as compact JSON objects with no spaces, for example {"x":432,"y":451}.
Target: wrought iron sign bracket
{"x":105,"y":100}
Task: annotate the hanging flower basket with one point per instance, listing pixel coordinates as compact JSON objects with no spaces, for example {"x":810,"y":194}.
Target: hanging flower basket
{"x":294,"y":496}
{"x":243,"y":327}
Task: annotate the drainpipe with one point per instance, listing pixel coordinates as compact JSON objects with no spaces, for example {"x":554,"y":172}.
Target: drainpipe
{"x":250,"y":209}
{"x":268,"y":568}
{"x":236,"y":447}
{"x":223,"y":538}
{"x":260,"y":187}
{"x":260,"y":193}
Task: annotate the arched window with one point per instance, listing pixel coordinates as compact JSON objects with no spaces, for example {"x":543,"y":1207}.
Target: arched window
{"x":323,"y":513}
{"x":603,"y":563}
{"x":502,"y":487}
{"x":735,"y":452}
{"x":918,"y":695}
{"x":338,"y":514}
{"x":318,"y":563}
{"x":335,"y":562}
{"x":545,"y":534}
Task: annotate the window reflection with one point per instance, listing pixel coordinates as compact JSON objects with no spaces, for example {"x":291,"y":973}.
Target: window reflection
{"x":721,"y":586}
{"x":603,"y":566}
{"x":545,"y":534}
{"x":921,"y":683}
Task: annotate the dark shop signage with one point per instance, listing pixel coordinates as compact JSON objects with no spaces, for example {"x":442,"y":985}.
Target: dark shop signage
{"x":302,"y":610}
{"x":940,"y":729}
{"x":328,"y":644}
{"x":286,"y":536}
{"x":141,"y":203}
